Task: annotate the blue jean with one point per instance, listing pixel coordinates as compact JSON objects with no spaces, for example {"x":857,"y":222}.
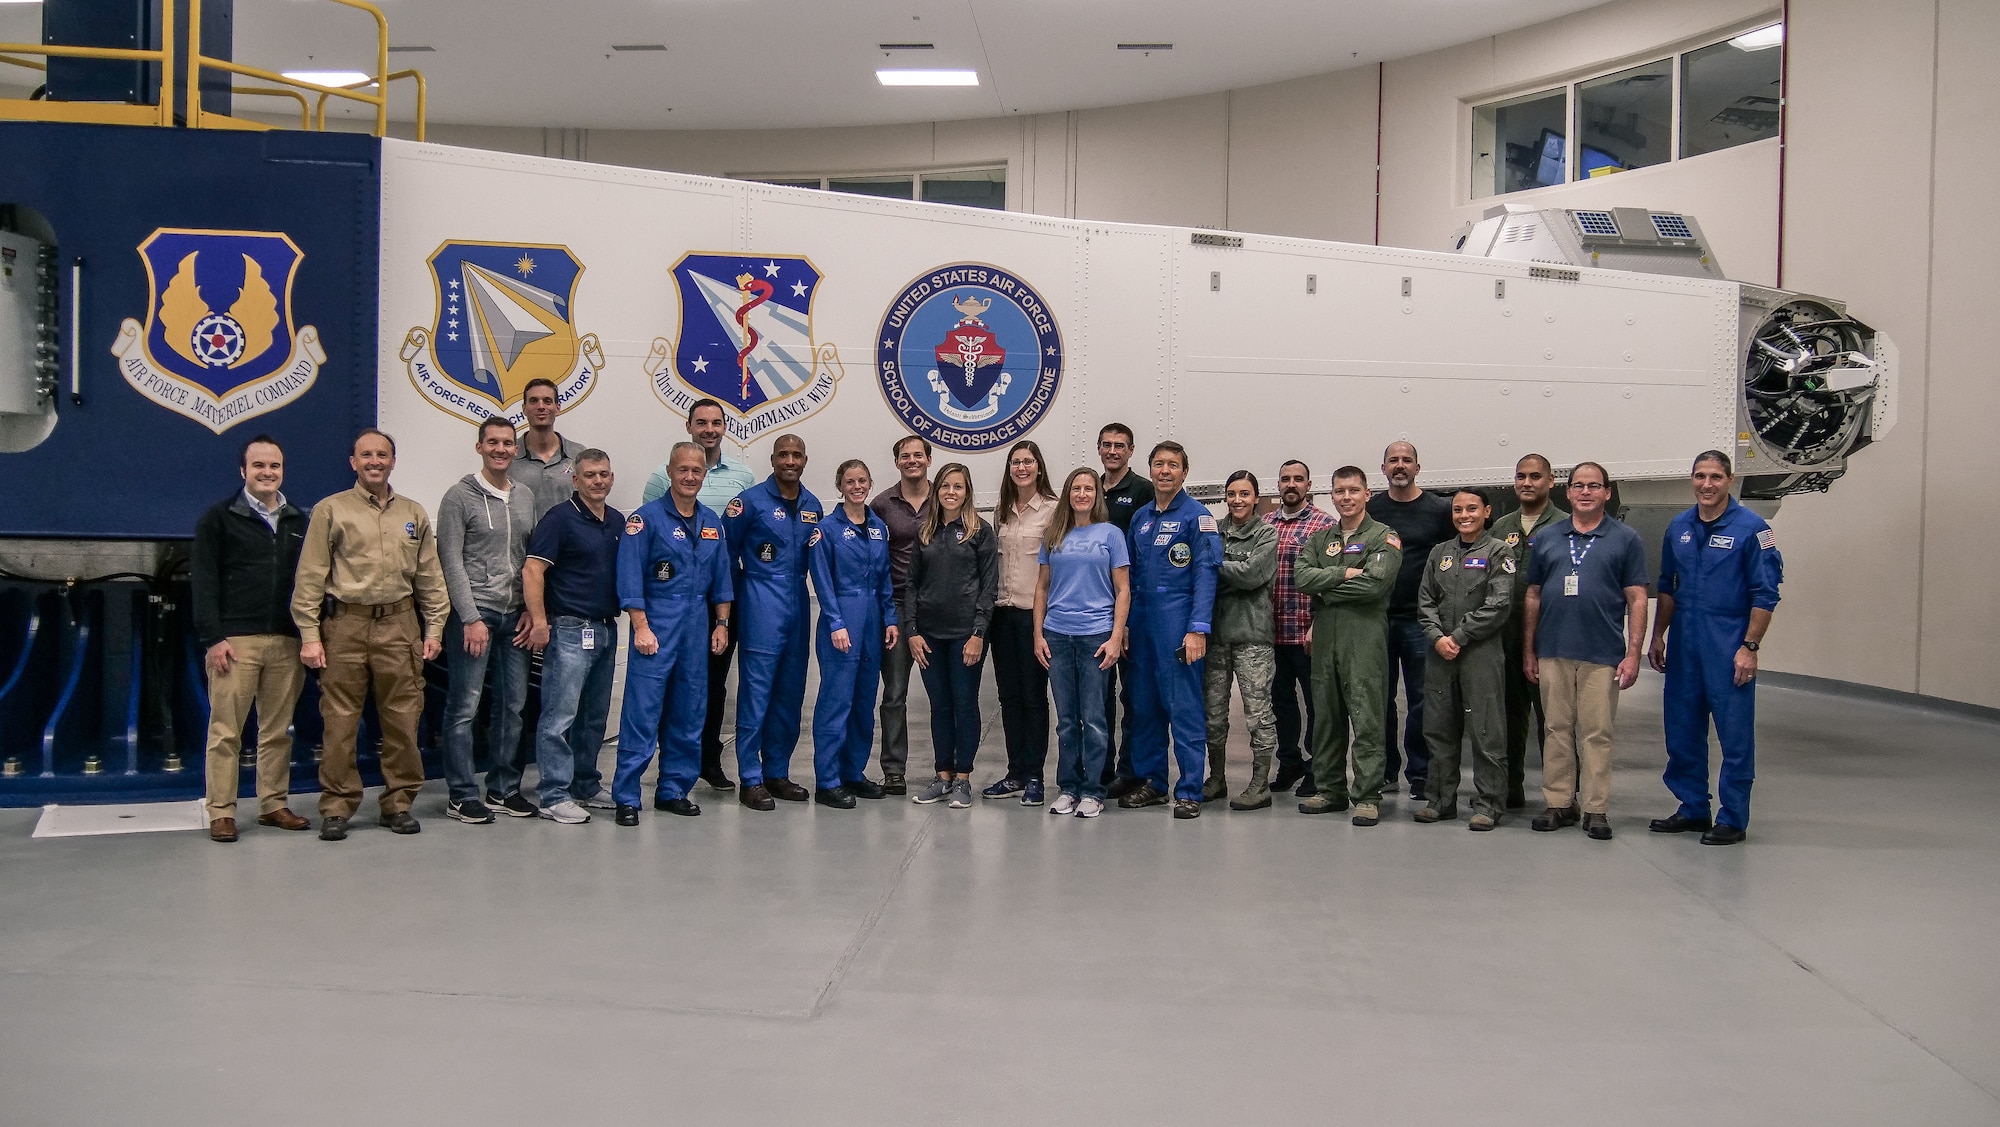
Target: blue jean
{"x":954,"y":691}
{"x":1081,"y":732}
{"x":1408,"y":648}
{"x":576,"y":701}
{"x":505,"y":684}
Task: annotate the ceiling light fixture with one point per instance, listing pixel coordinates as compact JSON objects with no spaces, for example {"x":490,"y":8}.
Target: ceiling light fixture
{"x":906,"y":46}
{"x":927,"y":77}
{"x":412,"y":49}
{"x":329,"y":77}
{"x":1761,"y":39}
{"x":638,"y":46}
{"x":1145,"y":46}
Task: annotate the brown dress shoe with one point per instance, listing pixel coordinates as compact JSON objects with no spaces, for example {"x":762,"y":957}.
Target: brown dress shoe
{"x":786,"y":790}
{"x":756,"y":797}
{"x":222,"y":829}
{"x":283,"y":818}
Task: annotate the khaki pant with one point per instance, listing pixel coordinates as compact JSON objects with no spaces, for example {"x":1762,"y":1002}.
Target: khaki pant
{"x":267,"y":672}
{"x":383,"y":653}
{"x":1579,"y":704}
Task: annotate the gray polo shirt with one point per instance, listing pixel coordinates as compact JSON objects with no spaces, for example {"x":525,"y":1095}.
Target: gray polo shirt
{"x":550,"y":483}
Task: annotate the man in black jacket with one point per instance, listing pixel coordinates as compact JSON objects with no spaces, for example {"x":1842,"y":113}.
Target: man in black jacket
{"x":246,"y":550}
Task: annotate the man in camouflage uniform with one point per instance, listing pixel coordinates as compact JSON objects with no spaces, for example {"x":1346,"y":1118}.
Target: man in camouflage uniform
{"x":1349,"y":570}
{"x":1462,"y":603}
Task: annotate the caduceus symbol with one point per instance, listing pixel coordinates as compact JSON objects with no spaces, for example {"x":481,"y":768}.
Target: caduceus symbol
{"x":969,"y":348}
{"x":756,"y":292}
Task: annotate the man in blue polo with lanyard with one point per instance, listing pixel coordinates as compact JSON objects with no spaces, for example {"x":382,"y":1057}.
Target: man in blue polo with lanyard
{"x":1719,"y":576}
{"x":769,"y":527}
{"x":1176,"y":552}
{"x":674,"y":583}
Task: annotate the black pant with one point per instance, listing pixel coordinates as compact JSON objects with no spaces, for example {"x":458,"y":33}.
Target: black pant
{"x":1024,"y":691}
{"x":1291,"y":682}
{"x":1524,"y":697}
{"x":718,"y":691}
{"x":1117,"y":736}
{"x":1407,"y":648}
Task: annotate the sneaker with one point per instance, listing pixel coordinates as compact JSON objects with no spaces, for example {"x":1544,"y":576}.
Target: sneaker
{"x":1366,"y":814}
{"x":567,"y":812}
{"x":514,"y":805}
{"x":472,"y":812}
{"x":961,"y":794}
{"x":599,"y":801}
{"x":1141,"y":796}
{"x":1482,"y":822}
{"x":1187,"y":808}
{"x":1317,"y":803}
{"x":937,"y":790}
{"x":1031,"y":795}
{"x":1005,"y":788}
{"x":894,"y":784}
{"x":1089,"y":807}
{"x":1065,"y":803}
{"x":1433,"y":814}
{"x":333,"y":828}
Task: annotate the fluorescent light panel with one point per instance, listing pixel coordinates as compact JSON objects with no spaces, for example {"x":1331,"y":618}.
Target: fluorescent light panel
{"x":328,"y":77}
{"x":1761,"y":39}
{"x":638,"y":46}
{"x":1145,"y":46}
{"x":906,"y":46}
{"x":927,"y":77}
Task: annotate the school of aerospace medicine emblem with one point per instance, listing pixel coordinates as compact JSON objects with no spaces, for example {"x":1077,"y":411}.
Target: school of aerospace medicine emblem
{"x":219,"y":344}
{"x":746,"y":341}
{"x":970,"y":357}
{"x":505,"y":316}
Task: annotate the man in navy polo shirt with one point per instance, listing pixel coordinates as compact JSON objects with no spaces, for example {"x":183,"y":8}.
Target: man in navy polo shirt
{"x":570,"y":585}
{"x":1586,"y":619}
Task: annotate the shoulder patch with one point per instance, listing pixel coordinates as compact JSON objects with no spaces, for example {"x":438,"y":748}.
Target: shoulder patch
{"x":1507,"y":565}
{"x":1767,"y":539}
{"x":1395,"y":541}
{"x":735,"y":508}
{"x":635,"y":524}
{"x":813,"y":540}
{"x":710,"y":532}
{"x":1207,"y":523}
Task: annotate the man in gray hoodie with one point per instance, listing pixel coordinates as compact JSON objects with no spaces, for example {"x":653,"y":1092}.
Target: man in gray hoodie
{"x":482,"y":525}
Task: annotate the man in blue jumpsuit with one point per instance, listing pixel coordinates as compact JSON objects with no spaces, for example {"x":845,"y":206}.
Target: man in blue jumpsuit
{"x":1719,"y":576}
{"x":768,"y":526}
{"x":1176,"y":553}
{"x":857,"y":618}
{"x":674,"y":583}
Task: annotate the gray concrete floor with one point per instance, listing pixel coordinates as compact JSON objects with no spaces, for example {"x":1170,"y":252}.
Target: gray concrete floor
{"x":903,"y":964}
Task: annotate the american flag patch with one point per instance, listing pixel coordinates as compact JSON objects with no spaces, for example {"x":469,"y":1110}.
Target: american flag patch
{"x":1207,"y":524}
{"x":1767,"y":539}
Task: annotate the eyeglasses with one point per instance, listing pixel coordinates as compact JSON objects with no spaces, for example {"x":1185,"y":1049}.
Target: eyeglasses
{"x":1587,"y":486}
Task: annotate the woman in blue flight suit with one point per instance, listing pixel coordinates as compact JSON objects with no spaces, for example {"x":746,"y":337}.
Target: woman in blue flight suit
{"x":857,"y":621}
{"x":1719,"y":576}
{"x":673,"y":579}
{"x":1176,"y":556}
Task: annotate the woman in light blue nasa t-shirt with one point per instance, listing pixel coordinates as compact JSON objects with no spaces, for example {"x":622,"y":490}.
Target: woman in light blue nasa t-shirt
{"x":1080,"y":606}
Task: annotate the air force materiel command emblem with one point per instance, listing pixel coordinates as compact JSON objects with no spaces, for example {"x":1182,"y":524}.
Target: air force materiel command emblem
{"x":746,"y":341}
{"x":219,"y":344}
{"x":505,"y":316}
{"x":969,"y":356}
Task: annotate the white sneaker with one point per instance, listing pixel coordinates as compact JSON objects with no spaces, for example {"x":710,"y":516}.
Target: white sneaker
{"x":1065,"y":803}
{"x":567,"y":812}
{"x":599,"y":801}
{"x":1090,"y":807}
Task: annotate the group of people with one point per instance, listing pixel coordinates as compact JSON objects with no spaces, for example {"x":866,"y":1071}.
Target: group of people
{"x":1119,"y":597}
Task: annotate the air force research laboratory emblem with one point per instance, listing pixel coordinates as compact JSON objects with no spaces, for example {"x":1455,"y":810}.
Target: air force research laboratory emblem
{"x":219,"y":344}
{"x":969,"y":356}
{"x":746,"y":341}
{"x":505,"y":316}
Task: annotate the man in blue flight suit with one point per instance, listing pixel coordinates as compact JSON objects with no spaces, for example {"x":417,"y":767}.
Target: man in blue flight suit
{"x":857,"y":620}
{"x":674,"y":583}
{"x":1176,"y":554}
{"x":768,"y":526}
{"x":1719,"y":576}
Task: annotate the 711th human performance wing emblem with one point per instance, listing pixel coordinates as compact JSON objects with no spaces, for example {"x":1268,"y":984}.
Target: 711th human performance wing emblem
{"x":746,"y":341}
{"x":219,"y":344}
{"x":505,"y":316}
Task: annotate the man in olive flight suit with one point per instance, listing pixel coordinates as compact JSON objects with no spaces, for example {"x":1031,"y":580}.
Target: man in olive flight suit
{"x":1462,"y":603}
{"x":1349,"y":570}
{"x":1533,"y":479}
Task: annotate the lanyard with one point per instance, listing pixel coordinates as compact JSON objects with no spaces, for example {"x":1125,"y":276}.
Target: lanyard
{"x":1576,"y":558}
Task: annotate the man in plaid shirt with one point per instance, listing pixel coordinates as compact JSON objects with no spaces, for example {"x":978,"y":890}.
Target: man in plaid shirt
{"x":1295,"y":518}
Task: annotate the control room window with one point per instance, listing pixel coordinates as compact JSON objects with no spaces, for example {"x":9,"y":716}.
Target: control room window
{"x":1519,"y":143}
{"x":1729,"y":91}
{"x":980,"y":187}
{"x":1625,"y":120}
{"x":889,"y":187}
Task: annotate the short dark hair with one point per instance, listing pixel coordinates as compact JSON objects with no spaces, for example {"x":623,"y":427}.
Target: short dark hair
{"x":1716,"y":456}
{"x":1244,"y":475}
{"x":1547,"y":466}
{"x":700,"y":403}
{"x":1474,"y":491}
{"x":540,"y":381}
{"x":788,"y":436}
{"x":1601,"y":472}
{"x":1117,"y":428}
{"x":1349,"y":473}
{"x":593,"y":454}
{"x":495,"y":421}
{"x":244,"y":459}
{"x":674,"y":451}
{"x":1294,"y":462}
{"x":896,"y":450}
{"x":382,"y":434}
{"x":1171,"y":447}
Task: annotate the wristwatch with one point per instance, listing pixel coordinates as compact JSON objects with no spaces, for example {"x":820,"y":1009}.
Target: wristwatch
{"x":1753,"y":647}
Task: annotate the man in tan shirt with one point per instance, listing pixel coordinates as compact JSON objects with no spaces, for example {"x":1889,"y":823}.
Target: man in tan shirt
{"x":368,"y":569}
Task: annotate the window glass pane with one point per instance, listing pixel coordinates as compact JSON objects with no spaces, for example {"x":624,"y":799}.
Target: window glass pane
{"x":895,"y":187}
{"x":1625,"y":120}
{"x":1729,"y":92}
{"x":813,"y":183}
{"x":1517,"y":144}
{"x":985,"y":187}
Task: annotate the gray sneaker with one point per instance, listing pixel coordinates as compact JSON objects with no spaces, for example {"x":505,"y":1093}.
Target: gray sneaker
{"x":567,"y":812}
{"x":599,"y":801}
{"x":936,"y":791}
{"x":961,"y":794}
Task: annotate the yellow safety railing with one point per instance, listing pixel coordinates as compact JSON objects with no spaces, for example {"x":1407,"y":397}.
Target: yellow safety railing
{"x":162,"y":112}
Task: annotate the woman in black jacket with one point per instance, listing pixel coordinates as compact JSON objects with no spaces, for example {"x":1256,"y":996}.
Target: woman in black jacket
{"x":954,"y":578}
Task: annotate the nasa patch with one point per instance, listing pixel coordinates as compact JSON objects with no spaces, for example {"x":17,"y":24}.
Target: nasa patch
{"x":1146,"y":528}
{"x":969,"y":356}
{"x":845,"y":534}
{"x":778,"y":513}
{"x":1179,"y":555}
{"x":679,"y":534}
{"x":1687,"y":537}
{"x":410,"y":529}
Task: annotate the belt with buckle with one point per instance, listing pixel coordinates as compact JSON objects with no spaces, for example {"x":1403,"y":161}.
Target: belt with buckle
{"x":373,"y":610}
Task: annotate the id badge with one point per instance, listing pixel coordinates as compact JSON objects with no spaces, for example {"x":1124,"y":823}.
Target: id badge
{"x":1569,"y":588}
{"x":590,"y":632}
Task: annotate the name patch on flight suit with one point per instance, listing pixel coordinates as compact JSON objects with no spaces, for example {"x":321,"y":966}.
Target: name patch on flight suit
{"x":1179,"y":555}
{"x":711,"y":533}
{"x":1353,"y":549}
{"x":663,"y":570}
{"x":1722,"y":541}
{"x":1475,"y":563}
{"x":767,"y":551}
